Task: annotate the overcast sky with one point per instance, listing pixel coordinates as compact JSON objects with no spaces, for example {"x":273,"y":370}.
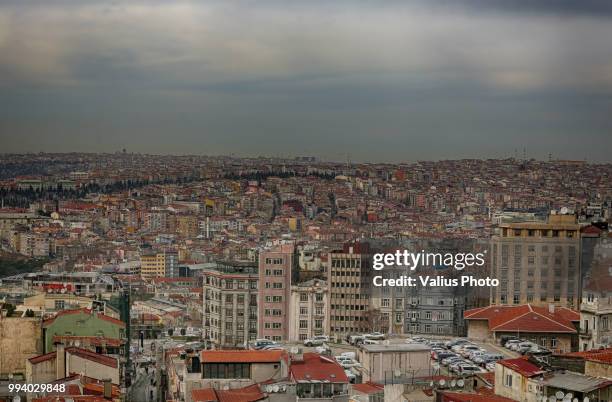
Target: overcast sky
{"x":379,"y":81}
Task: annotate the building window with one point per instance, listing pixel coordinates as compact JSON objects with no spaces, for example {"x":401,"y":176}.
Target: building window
{"x":385,"y":302}
{"x":59,"y":304}
{"x":303,"y":297}
{"x":303,"y":324}
{"x":508,"y":380}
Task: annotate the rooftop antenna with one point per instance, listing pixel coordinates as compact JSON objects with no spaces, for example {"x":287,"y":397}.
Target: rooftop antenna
{"x":524,"y":154}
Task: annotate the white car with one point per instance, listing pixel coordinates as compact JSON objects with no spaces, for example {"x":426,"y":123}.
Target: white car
{"x":316,"y":340}
{"x":377,"y":336}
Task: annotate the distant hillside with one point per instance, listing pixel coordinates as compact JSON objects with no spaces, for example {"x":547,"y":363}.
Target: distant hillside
{"x":11,"y":264}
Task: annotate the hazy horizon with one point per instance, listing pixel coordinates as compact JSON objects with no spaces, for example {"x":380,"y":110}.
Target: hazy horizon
{"x":386,"y":82}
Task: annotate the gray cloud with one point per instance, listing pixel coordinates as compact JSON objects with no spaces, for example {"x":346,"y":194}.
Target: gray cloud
{"x":446,"y":80}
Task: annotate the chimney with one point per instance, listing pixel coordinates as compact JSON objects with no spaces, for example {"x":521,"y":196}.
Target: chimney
{"x":60,"y":361}
{"x":108,"y":389}
{"x":551,"y":308}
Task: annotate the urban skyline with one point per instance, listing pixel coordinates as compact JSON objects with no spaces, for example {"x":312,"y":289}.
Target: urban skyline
{"x":400,"y":80}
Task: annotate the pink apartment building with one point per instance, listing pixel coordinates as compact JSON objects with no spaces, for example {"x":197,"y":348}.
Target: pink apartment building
{"x":275,"y":266}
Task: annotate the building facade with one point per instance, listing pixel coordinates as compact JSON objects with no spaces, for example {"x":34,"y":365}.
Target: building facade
{"x":349,"y":285}
{"x":537,"y":262}
{"x":275,"y":271}
{"x":230,"y":303}
{"x":309,"y":310}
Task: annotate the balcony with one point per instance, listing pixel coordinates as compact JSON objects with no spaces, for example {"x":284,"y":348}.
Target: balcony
{"x":586,"y":333}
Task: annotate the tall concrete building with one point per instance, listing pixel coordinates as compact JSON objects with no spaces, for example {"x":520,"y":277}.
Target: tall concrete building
{"x":349,"y":283}
{"x":537,"y":262}
{"x":309,"y":310}
{"x":159,"y":264}
{"x":230,"y":303}
{"x":275,"y":271}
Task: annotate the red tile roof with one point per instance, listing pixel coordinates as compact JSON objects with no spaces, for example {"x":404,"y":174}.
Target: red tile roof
{"x":597,"y":355}
{"x":242,"y":356}
{"x":526,"y":318}
{"x":42,"y":358}
{"x":315,"y":367}
{"x":368,"y":388}
{"x":522,"y":366}
{"x":251,"y":393}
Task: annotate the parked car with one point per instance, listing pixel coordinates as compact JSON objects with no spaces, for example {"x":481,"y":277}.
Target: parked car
{"x":260,"y":343}
{"x":523,"y":347}
{"x":371,"y":342}
{"x":490,"y":366}
{"x":352,"y":377}
{"x":456,"y":341}
{"x":508,"y":345}
{"x":350,"y":355}
{"x":449,"y":360}
{"x":539,"y":351}
{"x":468,"y":369}
{"x":377,"y":336}
{"x":316,"y":340}
{"x":505,"y":338}
{"x":356,"y":339}
{"x":486,"y":358}
{"x":443,"y":355}
{"x":465,"y":352}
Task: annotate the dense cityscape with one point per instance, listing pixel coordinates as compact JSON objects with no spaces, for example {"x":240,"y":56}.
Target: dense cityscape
{"x":136,"y":277}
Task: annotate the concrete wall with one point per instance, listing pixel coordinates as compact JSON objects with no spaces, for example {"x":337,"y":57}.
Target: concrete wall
{"x":598,"y":369}
{"x":478,"y":330}
{"x":43,"y":372}
{"x":20,"y":339}
{"x":76,"y":364}
{"x":378,"y":364}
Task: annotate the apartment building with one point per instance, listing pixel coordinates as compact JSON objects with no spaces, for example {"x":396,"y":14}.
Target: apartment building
{"x":596,"y":305}
{"x":159,"y":264}
{"x":275,"y":272}
{"x":537,"y":262}
{"x":349,"y":284}
{"x":309,"y":310}
{"x":230,"y":303}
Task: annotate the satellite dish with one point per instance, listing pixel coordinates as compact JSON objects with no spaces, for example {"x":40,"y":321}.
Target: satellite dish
{"x":552,"y":398}
{"x":575,"y":400}
{"x":460,"y":383}
{"x":442,"y":383}
{"x":17,"y":398}
{"x":275,"y":388}
{"x":559,"y":395}
{"x":586,"y":399}
{"x":397,"y":373}
{"x":569,"y":395}
{"x":563,"y":211}
{"x":431,"y":384}
{"x":453,"y":383}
